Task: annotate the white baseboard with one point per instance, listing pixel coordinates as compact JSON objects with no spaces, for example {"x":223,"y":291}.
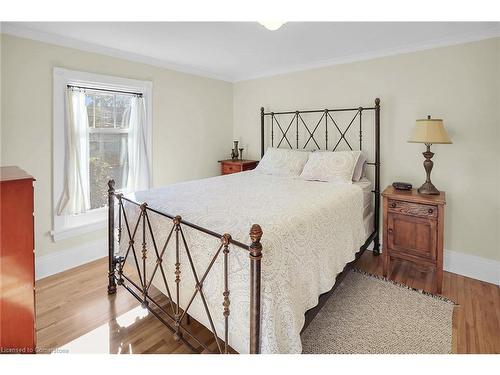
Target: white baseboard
{"x":463,"y":264}
{"x":50,"y":264}
{"x":470,"y":265}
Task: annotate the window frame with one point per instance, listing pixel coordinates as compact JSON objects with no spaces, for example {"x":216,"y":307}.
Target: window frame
{"x":67,"y":226}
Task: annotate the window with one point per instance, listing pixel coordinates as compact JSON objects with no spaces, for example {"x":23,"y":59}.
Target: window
{"x":108,"y":119}
{"x":102,"y":131}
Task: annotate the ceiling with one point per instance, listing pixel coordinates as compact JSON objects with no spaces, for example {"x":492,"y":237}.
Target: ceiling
{"x":235,"y":51}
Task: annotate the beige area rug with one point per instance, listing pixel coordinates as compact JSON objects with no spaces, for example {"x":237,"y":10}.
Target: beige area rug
{"x":369,"y":314}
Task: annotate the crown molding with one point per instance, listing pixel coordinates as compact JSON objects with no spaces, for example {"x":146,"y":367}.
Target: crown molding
{"x":488,"y":33}
{"x":28,"y":33}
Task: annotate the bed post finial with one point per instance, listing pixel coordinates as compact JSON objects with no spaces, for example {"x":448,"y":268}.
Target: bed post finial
{"x":255,"y":287}
{"x":111,"y":237}
{"x":377,"y":102}
{"x":256,"y":234}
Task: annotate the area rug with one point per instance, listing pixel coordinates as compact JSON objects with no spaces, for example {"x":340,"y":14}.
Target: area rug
{"x":371,"y":315}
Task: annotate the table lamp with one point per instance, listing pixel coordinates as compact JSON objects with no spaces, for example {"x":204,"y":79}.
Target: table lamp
{"x":429,"y":131}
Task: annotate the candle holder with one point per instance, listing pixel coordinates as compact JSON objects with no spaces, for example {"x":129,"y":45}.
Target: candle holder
{"x":241,"y":153}
{"x":234,"y":152}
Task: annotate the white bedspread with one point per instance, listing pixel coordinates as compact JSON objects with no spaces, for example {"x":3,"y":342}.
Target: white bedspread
{"x":311,"y":230}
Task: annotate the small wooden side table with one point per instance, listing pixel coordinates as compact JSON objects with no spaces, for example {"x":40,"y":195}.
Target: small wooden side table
{"x":414,"y":229}
{"x":234,"y":166}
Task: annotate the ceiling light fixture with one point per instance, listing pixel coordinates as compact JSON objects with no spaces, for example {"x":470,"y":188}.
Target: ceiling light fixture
{"x":272,"y":25}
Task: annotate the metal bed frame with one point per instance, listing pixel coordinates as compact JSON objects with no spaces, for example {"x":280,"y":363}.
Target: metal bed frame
{"x":171,"y":315}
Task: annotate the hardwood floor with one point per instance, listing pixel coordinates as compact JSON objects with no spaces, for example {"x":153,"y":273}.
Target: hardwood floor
{"x":75,"y":314}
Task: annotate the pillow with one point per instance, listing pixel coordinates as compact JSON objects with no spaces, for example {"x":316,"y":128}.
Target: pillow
{"x":359,"y":169}
{"x":283,"y":162}
{"x":330,"y":166}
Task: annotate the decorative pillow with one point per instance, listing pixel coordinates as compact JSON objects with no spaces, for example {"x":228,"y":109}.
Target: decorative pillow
{"x":283,"y":162}
{"x":330,"y":166}
{"x":359,"y":169}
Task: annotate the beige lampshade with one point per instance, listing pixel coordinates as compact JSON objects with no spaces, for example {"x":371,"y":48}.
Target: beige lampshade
{"x":430,"y":131}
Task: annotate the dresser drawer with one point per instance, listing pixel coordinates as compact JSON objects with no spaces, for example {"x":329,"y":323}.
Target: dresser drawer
{"x":414,"y":209}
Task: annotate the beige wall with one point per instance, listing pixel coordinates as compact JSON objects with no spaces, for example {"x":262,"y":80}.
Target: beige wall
{"x":192,"y":119}
{"x":458,"y":83}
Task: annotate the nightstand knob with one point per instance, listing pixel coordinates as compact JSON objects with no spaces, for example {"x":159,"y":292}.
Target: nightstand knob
{"x":389,"y":230}
{"x":393,"y":205}
{"x":430,"y":210}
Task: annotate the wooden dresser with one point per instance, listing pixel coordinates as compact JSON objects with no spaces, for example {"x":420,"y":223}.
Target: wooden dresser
{"x":235,"y":166}
{"x":414,"y":229}
{"x":17,"y":266}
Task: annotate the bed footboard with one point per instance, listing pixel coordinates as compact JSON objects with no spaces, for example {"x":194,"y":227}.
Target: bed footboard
{"x":171,"y":313}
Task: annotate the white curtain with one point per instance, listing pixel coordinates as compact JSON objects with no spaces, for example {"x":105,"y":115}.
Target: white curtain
{"x":138,"y":164}
{"x":75,"y":198}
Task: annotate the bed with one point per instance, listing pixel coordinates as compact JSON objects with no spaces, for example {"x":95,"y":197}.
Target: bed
{"x":188,"y":240}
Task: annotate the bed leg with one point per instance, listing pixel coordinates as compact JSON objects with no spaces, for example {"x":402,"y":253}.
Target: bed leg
{"x":376,"y":245}
{"x":111,"y":237}
{"x":376,"y":240}
{"x":255,"y":287}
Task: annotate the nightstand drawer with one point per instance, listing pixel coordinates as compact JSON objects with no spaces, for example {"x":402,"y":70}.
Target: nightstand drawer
{"x":249,"y":166}
{"x":235,"y":166}
{"x":414,"y":209}
{"x":230,"y":168}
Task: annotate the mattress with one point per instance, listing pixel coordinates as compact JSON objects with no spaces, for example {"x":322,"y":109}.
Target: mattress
{"x":367,"y":187}
{"x":368,"y":199}
{"x":311,"y":230}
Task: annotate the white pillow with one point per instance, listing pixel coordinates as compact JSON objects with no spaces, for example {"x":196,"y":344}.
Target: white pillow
{"x":330,"y":166}
{"x":283,"y":162}
{"x":359,"y":169}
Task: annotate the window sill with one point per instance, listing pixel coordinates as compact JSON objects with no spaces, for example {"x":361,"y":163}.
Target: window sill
{"x":69,"y":232}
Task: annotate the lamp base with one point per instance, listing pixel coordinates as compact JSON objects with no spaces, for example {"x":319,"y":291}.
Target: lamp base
{"x":428,"y":188}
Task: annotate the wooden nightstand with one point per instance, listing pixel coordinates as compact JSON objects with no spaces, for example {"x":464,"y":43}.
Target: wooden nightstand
{"x":234,"y":166}
{"x":413,"y":229}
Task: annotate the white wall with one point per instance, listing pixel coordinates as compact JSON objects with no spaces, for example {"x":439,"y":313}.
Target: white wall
{"x":192,"y":127}
{"x":458,"y":83}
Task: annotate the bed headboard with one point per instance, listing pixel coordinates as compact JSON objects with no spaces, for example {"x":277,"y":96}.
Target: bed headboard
{"x":288,"y":127}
